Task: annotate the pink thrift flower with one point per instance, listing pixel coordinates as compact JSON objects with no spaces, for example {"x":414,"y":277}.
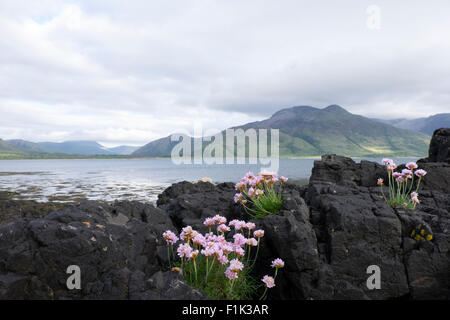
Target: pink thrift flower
{"x":239,"y":186}
{"x":220,"y":239}
{"x":184,"y":250}
{"x":283,"y":179}
{"x":420,"y":173}
{"x":238,"y":197}
{"x":249,"y":226}
{"x":223,"y":228}
{"x":414,"y":194}
{"x":223,"y":259}
{"x":268,"y":174}
{"x":208,"y":252}
{"x":193,"y":254}
{"x":232,"y":223}
{"x":237,"y":224}
{"x":277,"y":263}
{"x":170,"y":237}
{"x":387,"y":161}
{"x":392,"y":167}
{"x":239,"y":240}
{"x":230,"y":274}
{"x":396,"y":174}
{"x":251,"y":192}
{"x":249,"y":175}
{"x":259,"y":192}
{"x":219,"y":219}
{"x":236,"y":265}
{"x":380,"y":182}
{"x":227,"y":248}
{"x":268,"y":281}
{"x":209,"y":222}
{"x":252,"y":242}
{"x":188,"y":233}
{"x":239,"y":251}
{"x":244,"y":182}
{"x":199,"y":240}
{"x":406,"y":173}
{"x":258,"y":233}
{"x":412,"y":165}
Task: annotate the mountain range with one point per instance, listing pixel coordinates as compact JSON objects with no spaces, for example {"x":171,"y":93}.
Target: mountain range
{"x":304,"y":131}
{"x":424,"y":125}
{"x":17,"y":148}
{"x":308,"y":131}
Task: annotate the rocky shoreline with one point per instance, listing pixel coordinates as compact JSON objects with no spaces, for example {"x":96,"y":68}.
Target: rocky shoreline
{"x":328,"y":233}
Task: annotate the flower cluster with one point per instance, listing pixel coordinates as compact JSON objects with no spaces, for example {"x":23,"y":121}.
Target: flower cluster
{"x":260,"y":191}
{"x":269,"y":281}
{"x":218,"y":260}
{"x":401,"y":184}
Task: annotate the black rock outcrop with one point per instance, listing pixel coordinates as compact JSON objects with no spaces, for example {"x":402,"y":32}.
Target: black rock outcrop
{"x":439,"y":146}
{"x":330,"y":232}
{"x":118,"y":248}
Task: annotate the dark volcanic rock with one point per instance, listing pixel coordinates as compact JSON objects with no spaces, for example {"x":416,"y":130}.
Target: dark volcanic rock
{"x":339,"y":169}
{"x":164,"y":286}
{"x":190,"y":203}
{"x":13,"y":210}
{"x":438,"y":176}
{"x":439,"y":146}
{"x":117,"y":246}
{"x":356,"y":228}
{"x":331,"y":231}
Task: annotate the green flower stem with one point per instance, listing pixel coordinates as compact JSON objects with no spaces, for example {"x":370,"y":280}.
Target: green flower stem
{"x":264,"y":294}
{"x":418,"y":184}
{"x":168,"y":256}
{"x":212,"y":264}
{"x":412,"y":183}
{"x":256,"y":255}
{"x":195,"y":269}
{"x":206,"y":278}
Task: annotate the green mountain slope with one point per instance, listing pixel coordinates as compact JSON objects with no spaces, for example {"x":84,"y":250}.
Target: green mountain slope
{"x":309,"y":131}
{"x":157,"y":148}
{"x":335,"y":130}
{"x":10,"y":151}
{"x":28,"y":146}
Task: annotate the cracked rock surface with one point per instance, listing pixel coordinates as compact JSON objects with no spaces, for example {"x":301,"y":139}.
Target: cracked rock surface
{"x":117,"y":246}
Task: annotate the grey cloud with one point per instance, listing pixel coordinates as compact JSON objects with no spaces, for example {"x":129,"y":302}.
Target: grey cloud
{"x":144,"y":69}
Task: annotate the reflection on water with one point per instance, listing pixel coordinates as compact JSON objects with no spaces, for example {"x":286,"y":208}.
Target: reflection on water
{"x":120,"y":179}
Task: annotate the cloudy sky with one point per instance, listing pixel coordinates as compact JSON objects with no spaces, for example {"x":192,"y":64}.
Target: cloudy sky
{"x":128,"y":72}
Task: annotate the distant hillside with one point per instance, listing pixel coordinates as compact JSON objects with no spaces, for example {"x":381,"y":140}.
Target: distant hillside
{"x":76,"y":147}
{"x":309,"y":131}
{"x":10,"y":151}
{"x":123,"y":150}
{"x":424,"y":125}
{"x":157,"y":148}
{"x":20,"y":149}
{"x":28,"y":146}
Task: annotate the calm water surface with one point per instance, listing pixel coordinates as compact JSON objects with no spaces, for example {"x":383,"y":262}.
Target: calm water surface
{"x":141,"y":179}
